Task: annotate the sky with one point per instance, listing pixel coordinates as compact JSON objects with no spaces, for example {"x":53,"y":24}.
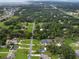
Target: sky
{"x":36,"y":0}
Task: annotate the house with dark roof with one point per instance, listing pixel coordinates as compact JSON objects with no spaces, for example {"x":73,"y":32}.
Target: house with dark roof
{"x":46,"y":41}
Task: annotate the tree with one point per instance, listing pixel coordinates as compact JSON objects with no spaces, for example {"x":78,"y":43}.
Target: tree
{"x":63,"y":51}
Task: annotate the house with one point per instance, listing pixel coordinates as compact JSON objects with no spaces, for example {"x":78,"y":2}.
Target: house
{"x":13,"y":41}
{"x":43,"y":49}
{"x":43,"y":56}
{"x":77,"y":53}
{"x":46,"y":41}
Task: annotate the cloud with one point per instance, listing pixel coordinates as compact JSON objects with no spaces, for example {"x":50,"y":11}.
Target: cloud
{"x":12,"y":0}
{"x":34,"y":0}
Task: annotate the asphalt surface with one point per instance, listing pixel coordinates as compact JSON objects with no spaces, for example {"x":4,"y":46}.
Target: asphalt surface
{"x":31,"y":42}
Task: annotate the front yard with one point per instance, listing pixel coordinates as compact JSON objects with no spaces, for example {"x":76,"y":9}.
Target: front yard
{"x":23,"y":51}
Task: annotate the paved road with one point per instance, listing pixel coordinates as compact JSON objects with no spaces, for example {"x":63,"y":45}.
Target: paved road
{"x":31,"y":42}
{"x":7,"y":14}
{"x":63,"y":11}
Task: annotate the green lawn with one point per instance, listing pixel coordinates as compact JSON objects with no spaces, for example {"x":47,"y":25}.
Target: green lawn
{"x":27,"y":46}
{"x":36,"y":47}
{"x":68,"y":41}
{"x":12,"y":18}
{"x":27,"y":41}
{"x":21,"y":54}
{"x":35,"y":57}
{"x":4,"y":49}
{"x":30,"y":25}
{"x":2,"y":25}
{"x":36,"y":41}
{"x":3,"y":55}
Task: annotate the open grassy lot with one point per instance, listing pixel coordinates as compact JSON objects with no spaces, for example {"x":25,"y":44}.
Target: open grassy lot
{"x":35,"y":41}
{"x":24,"y":45}
{"x":35,"y":57}
{"x":4,"y":49}
{"x":12,"y":18}
{"x":26,"y":41}
{"x":36,"y":44}
{"x":3,"y":55}
{"x":30,"y":25}
{"x":2,"y":25}
{"x":23,"y":53}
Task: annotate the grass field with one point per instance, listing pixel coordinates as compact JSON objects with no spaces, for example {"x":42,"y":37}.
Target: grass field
{"x":3,"y":55}
{"x":30,"y":25}
{"x":4,"y":49}
{"x":23,"y":53}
